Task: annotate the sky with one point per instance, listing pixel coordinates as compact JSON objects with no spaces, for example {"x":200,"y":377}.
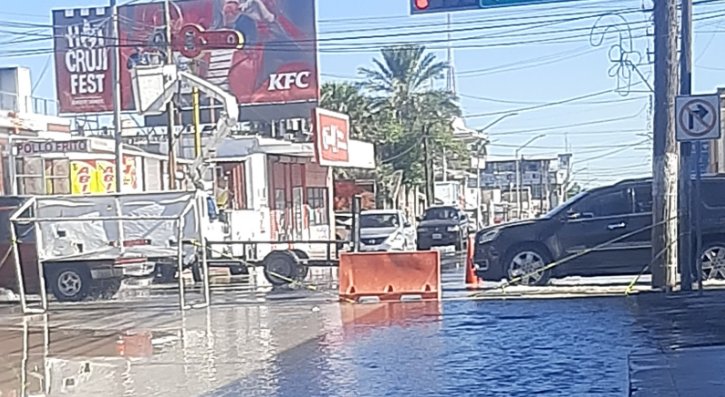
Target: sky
{"x":547,"y":63}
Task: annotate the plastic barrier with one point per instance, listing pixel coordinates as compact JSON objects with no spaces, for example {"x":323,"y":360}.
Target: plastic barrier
{"x":390,"y":276}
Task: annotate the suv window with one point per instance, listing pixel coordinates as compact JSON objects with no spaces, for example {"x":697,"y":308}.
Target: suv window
{"x":607,"y":203}
{"x":643,"y":198}
{"x":442,"y":213}
{"x":713,"y":193}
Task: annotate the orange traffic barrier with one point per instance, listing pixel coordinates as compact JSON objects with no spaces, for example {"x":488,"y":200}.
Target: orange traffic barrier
{"x":471,"y":278}
{"x":390,"y":276}
{"x":135,"y":344}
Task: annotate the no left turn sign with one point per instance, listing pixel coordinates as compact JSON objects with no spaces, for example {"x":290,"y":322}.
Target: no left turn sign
{"x":697,"y":117}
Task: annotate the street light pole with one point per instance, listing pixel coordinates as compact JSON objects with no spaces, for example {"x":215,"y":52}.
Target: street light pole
{"x":518,"y":171}
{"x":482,"y":141}
{"x":116,"y":90}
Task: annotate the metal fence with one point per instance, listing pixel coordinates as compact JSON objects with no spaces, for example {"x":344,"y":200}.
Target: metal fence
{"x":12,"y":102}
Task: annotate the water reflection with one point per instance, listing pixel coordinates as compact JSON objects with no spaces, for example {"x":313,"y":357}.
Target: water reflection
{"x":568,"y":347}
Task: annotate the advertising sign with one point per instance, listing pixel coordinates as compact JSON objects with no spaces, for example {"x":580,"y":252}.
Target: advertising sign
{"x":31,"y":148}
{"x":83,"y":177}
{"x":261,"y":51}
{"x":82,"y":60}
{"x":130,"y":174}
{"x":332,"y":138}
{"x":106,"y":176}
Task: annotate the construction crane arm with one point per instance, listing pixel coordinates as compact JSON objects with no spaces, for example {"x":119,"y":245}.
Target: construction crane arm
{"x":227,"y":120}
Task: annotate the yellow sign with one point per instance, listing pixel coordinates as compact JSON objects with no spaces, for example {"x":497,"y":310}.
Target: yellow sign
{"x":83,"y":177}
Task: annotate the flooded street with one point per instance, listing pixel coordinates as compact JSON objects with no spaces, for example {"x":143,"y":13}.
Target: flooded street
{"x":303,"y":343}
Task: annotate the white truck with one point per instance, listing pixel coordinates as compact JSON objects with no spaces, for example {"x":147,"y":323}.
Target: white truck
{"x":91,"y":240}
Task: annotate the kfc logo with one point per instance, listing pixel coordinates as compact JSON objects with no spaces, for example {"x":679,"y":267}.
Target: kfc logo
{"x":332,"y":137}
{"x":285,"y":81}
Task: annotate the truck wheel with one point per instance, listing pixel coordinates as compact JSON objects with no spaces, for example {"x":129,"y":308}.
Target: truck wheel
{"x":70,"y":283}
{"x":304,"y":270}
{"x":197,"y":272}
{"x":281,"y":267}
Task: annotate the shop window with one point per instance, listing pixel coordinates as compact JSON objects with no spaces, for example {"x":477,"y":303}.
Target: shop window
{"x":317,"y":202}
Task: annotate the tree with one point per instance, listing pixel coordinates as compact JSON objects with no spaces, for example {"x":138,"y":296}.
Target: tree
{"x":390,"y":109}
{"x":572,"y":190}
{"x":400,"y":85}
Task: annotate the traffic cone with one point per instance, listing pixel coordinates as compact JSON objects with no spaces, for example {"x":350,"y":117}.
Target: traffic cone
{"x":471,"y":278}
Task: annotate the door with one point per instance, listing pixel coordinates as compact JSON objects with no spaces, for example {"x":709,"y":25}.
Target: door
{"x":593,"y":233}
{"x":638,"y":247}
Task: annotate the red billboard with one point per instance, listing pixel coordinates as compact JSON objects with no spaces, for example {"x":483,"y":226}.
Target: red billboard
{"x":332,"y":137}
{"x":82,"y":49}
{"x":261,"y":51}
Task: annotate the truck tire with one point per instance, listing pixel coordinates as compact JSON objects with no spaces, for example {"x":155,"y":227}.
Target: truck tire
{"x":281,"y":267}
{"x":197,"y":272}
{"x":304,"y":269}
{"x":70,"y":283}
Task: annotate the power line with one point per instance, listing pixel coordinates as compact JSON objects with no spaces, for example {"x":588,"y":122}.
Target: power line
{"x":513,"y":102}
{"x":544,"y":105}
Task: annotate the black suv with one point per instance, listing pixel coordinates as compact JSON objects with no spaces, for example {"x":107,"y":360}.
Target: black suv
{"x":589,"y":220}
{"x":442,"y":226}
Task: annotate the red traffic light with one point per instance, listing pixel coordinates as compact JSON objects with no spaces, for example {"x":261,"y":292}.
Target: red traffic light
{"x":422,"y":4}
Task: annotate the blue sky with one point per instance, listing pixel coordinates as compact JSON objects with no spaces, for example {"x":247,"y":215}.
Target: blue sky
{"x":534,"y":60}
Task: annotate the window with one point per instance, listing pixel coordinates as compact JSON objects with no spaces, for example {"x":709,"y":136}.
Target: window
{"x":441,"y":213}
{"x":713,"y":193}
{"x":317,"y":203}
{"x":606,"y":204}
{"x":643,"y":199}
{"x":380,"y":220}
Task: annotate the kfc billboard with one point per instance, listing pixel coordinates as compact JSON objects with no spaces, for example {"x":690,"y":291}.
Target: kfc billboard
{"x":261,"y":51}
{"x":332,"y":138}
{"x":82,"y":60}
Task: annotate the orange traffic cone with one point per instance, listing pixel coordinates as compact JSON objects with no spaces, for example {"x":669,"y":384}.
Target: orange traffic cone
{"x":471,"y":278}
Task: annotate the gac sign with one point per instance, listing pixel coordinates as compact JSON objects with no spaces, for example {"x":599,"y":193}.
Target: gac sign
{"x":332,"y":136}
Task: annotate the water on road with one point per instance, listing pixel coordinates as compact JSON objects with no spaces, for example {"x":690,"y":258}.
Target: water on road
{"x":303,"y":343}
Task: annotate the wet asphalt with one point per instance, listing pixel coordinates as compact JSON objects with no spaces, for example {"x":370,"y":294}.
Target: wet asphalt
{"x":298,"y":342}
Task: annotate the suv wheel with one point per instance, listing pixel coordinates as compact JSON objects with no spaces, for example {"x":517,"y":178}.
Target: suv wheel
{"x":713,"y":261}
{"x":526,"y":263}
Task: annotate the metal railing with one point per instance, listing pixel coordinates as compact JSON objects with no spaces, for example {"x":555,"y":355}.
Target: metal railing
{"x":43,"y":106}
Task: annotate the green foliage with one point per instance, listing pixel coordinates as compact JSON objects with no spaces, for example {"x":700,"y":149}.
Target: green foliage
{"x":392,"y":107}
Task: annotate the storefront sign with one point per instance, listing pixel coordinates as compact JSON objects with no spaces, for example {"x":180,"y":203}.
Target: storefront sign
{"x":43,"y":147}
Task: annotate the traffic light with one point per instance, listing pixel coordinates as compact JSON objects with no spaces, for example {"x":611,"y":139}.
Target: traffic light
{"x":421,"y":5}
{"x":429,"y":6}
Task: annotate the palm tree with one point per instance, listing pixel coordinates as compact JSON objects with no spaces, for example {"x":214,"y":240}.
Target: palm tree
{"x":402,"y":80}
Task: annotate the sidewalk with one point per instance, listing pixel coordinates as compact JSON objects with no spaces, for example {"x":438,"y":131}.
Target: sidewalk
{"x":689,"y":332}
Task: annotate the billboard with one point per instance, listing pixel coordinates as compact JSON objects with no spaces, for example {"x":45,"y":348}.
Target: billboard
{"x":332,"y":138}
{"x":82,"y":60}
{"x":261,"y":51}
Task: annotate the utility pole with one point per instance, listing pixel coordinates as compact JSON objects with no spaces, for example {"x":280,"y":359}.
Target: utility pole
{"x":665,"y":158}
{"x":517,"y":165}
{"x":170,"y":111}
{"x":685,"y":254}
{"x":426,"y":160}
{"x":450,"y":83}
{"x":116,"y":92}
